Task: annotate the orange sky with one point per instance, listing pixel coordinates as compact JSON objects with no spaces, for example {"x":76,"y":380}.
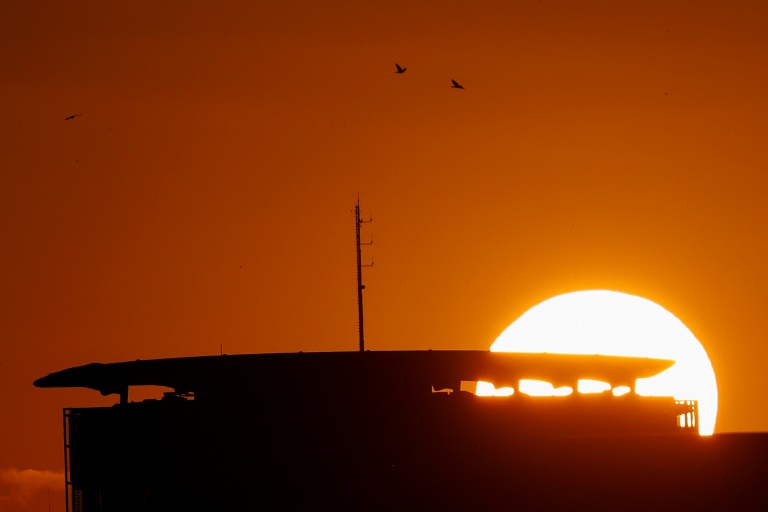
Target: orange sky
{"x":204,"y":195}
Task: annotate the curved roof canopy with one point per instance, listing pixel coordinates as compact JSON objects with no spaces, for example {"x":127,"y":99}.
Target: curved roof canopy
{"x":386,"y":370}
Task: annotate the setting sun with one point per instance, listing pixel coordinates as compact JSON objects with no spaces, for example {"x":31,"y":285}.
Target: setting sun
{"x":613,"y":323}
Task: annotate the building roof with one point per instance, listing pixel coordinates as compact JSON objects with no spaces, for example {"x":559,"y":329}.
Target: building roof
{"x":374,"y":370}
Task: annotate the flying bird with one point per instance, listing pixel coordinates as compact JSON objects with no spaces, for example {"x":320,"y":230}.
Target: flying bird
{"x":400,"y":70}
{"x":456,"y":85}
{"x":72,"y":117}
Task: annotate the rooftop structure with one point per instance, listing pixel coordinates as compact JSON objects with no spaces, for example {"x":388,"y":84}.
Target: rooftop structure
{"x":411,"y":372}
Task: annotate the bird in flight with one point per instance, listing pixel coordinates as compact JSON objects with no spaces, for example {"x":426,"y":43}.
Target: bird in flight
{"x":72,"y":117}
{"x":456,"y":85}
{"x":400,"y":70}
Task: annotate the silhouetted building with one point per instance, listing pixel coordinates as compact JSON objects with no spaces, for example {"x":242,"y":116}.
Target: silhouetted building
{"x":394,"y":431}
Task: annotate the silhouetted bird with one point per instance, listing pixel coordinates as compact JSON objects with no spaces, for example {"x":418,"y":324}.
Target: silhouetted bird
{"x":399,"y":69}
{"x":72,"y":117}
{"x":456,"y":85}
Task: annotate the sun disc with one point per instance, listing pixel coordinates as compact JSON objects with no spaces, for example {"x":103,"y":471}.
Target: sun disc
{"x":613,"y":323}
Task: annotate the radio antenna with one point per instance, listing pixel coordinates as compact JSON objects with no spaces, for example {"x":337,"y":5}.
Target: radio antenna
{"x":360,"y":285}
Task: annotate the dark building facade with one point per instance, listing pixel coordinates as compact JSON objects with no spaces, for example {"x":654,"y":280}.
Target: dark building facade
{"x":394,"y":431}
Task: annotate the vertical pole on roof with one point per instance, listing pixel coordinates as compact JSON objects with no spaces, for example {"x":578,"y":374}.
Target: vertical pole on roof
{"x":360,"y":285}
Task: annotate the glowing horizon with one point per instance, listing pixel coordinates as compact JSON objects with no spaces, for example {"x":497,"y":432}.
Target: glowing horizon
{"x":614,"y":323}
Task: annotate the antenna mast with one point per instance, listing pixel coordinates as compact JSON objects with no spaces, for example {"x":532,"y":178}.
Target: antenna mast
{"x":360,"y":285}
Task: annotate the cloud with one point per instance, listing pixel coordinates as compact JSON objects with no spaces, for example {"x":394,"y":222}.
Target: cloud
{"x":19,"y":486}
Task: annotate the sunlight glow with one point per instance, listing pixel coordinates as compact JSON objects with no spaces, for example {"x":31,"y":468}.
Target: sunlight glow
{"x":484,"y":389}
{"x":562,"y":391}
{"x":536,"y":387}
{"x":532,"y":387}
{"x":614,"y":323}
{"x":592,"y":386}
{"x":487,"y":389}
{"x":620,"y":390}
